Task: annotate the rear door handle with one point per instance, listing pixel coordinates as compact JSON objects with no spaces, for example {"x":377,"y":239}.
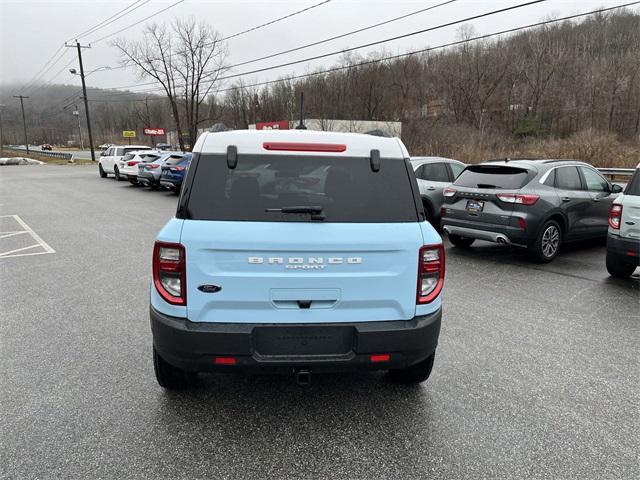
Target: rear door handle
{"x":565,"y":199}
{"x":431,"y":187}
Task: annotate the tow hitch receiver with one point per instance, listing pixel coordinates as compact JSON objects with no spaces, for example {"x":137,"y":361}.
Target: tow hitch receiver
{"x":303,"y":377}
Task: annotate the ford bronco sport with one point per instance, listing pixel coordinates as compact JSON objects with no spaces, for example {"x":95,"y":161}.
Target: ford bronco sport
{"x":296,"y":252}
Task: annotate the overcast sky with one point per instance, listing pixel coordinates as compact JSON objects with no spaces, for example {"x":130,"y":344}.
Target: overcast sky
{"x":31,"y":31}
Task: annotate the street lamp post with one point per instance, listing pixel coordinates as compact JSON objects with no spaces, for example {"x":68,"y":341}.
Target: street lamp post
{"x":76,"y":113}
{"x":84,"y":95}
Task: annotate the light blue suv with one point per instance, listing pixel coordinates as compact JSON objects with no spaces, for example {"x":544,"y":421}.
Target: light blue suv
{"x":296,"y":252}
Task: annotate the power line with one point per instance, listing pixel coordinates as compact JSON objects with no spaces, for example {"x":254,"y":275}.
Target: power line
{"x":336,"y":37}
{"x":350,"y":49}
{"x":395,"y":57}
{"x":293,"y":14}
{"x":138,"y":22}
{"x":109,"y":20}
{"x":43,"y":67}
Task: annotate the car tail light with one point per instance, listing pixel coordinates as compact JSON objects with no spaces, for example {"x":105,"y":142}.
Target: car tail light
{"x":615,"y":216}
{"x":430,"y":273}
{"x":178,"y":169}
{"x":304,"y":147}
{"x":169,"y":272}
{"x":224,"y":361}
{"x":520,"y":199}
{"x":379,"y":357}
{"x":153,"y":165}
{"x":449,"y":192}
{"x":132,"y":163}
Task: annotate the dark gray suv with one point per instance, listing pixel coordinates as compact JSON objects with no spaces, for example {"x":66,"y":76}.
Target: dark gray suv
{"x":537,"y":204}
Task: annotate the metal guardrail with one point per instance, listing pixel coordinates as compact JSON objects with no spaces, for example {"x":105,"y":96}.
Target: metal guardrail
{"x":66,"y":156}
{"x":623,"y":172}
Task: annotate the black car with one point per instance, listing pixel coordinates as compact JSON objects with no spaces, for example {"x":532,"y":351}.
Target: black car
{"x":538,"y":204}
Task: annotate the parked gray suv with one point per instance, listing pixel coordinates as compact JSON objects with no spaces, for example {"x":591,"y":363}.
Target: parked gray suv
{"x":434,"y":174}
{"x":538,"y":204}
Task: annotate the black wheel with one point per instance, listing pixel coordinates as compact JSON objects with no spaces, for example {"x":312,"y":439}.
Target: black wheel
{"x":547,"y":243}
{"x":415,"y":373}
{"x":116,"y":173}
{"x":103,"y":174}
{"x":134,"y":182}
{"x":462,"y":242}
{"x":618,"y":266}
{"x":170,"y":377}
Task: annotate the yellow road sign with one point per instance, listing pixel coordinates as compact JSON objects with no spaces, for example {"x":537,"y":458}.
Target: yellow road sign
{"x":129,"y":134}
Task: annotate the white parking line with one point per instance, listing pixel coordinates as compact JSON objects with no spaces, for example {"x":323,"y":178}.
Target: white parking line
{"x":26,"y":229}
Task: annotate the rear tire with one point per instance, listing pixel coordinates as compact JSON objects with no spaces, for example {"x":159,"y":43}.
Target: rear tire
{"x":116,"y":173}
{"x":546,"y":245}
{"x":134,"y":182}
{"x":170,"y":377}
{"x":417,"y":373}
{"x":461,"y":242}
{"x":617,"y":266}
{"x":103,"y":174}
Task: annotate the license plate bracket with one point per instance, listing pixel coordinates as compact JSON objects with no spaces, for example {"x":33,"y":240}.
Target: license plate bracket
{"x":303,"y":340}
{"x":474,"y":206}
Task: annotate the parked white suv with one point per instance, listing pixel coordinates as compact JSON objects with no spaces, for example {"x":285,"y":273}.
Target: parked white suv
{"x":623,"y":239}
{"x":109,"y":159}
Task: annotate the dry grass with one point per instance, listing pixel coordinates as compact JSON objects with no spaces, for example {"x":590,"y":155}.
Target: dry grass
{"x":599,"y":149}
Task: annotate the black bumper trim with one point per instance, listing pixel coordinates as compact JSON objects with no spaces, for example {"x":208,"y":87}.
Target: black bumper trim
{"x":620,"y":246}
{"x":193,"y":346}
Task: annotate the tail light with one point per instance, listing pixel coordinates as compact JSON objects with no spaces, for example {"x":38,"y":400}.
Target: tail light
{"x":520,"y":199}
{"x":132,"y":163}
{"x":178,"y":169}
{"x":153,"y":165}
{"x":615,"y":216}
{"x":169,"y":272}
{"x":430,"y":273}
{"x":449,"y":192}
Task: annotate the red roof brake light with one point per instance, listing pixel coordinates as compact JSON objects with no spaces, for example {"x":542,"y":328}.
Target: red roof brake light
{"x":305,"y":147}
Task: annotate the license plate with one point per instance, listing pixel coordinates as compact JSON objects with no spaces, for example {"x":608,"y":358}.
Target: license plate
{"x":474,"y":206}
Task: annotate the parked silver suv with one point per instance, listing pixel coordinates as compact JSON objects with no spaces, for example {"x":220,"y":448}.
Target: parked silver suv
{"x":434,"y":174}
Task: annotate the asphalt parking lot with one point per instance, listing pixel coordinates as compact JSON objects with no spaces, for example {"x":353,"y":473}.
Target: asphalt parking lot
{"x":536,"y":374}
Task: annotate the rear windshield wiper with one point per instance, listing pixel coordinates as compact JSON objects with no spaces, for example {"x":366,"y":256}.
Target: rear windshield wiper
{"x":314,"y":210}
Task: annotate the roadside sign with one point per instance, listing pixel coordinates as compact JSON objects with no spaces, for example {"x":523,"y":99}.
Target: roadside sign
{"x":129,"y":134}
{"x":281,"y":125}
{"x":154,"y":132}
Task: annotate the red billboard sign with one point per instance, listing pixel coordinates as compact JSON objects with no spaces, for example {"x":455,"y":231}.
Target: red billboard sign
{"x":281,"y":125}
{"x":154,"y":132}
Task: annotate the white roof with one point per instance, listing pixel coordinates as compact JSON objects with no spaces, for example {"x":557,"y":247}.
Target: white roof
{"x":252,"y":142}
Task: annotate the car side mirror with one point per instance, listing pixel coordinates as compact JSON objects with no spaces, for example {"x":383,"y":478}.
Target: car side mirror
{"x":615,"y":188}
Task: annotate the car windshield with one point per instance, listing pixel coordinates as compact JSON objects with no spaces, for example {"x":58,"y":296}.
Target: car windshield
{"x":492,"y":177}
{"x":298,"y":189}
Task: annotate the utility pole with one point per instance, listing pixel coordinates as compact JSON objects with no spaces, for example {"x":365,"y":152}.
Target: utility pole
{"x":24,"y":121}
{"x":84,"y":95}
{"x":1,"y":135}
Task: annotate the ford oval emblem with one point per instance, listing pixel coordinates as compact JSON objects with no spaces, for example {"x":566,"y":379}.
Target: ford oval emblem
{"x":210,"y":288}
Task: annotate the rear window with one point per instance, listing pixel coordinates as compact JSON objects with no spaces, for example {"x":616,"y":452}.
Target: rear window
{"x":345,"y":188}
{"x":492,"y":176}
{"x":128,"y":156}
{"x":633,"y":187}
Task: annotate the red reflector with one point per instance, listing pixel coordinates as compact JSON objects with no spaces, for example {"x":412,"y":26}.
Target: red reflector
{"x":631,"y":253}
{"x":381,"y":357}
{"x":304,"y":147}
{"x":224,"y":361}
{"x":522,"y":223}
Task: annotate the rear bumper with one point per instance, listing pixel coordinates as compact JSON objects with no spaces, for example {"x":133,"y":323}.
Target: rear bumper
{"x":505,"y":234}
{"x":170,"y":183}
{"x":195,"y":346}
{"x":628,"y":248}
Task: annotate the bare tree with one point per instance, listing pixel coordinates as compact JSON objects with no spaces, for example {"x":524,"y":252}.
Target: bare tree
{"x":185,"y":59}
